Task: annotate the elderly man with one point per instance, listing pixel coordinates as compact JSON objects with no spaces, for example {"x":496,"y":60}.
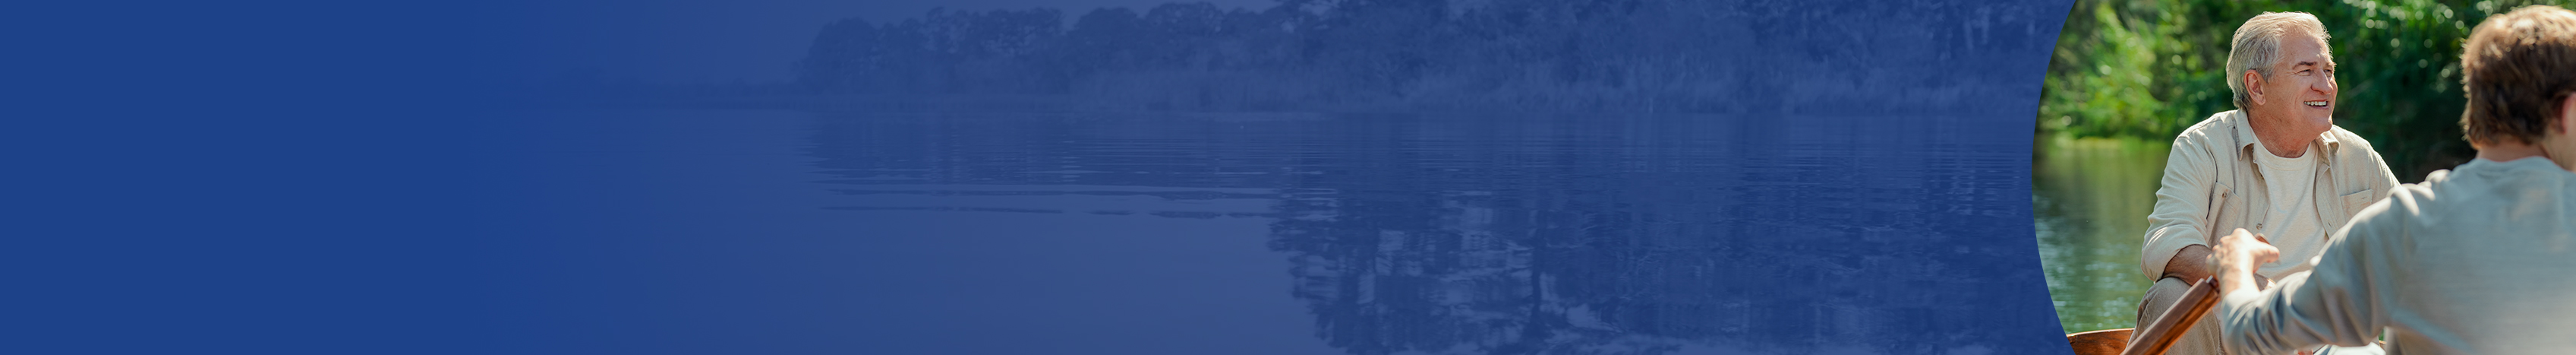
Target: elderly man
{"x":2475,"y":260}
{"x":2276,"y":166}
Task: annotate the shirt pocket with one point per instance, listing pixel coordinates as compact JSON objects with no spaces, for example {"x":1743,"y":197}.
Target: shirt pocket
{"x":2354,"y":202}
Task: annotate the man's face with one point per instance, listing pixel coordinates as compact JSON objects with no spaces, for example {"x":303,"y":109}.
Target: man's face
{"x":2300,"y":94}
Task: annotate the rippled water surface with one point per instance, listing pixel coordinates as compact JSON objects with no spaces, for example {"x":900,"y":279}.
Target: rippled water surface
{"x":1298,"y":233}
{"x":2092,"y":197}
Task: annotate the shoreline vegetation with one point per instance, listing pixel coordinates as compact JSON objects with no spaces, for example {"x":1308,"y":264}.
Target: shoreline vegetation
{"x":1640,"y":56}
{"x":2148,"y":69}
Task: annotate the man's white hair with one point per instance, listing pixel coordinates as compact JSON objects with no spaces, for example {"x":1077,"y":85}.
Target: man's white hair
{"x":2258,"y":47}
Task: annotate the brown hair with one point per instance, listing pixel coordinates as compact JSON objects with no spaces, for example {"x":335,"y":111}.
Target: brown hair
{"x":2517,"y":66}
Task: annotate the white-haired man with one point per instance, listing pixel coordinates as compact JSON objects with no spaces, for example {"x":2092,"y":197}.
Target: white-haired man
{"x":2474,"y":260}
{"x":2276,"y":166}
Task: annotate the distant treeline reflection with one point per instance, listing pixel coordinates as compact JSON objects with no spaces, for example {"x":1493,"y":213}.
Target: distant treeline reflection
{"x":1545,"y":234}
{"x":1594,"y":55}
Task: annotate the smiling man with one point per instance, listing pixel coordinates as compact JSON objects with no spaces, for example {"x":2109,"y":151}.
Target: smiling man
{"x":2276,"y":166}
{"x":2474,"y":260}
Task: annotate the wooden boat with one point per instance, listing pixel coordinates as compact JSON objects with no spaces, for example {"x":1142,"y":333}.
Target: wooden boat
{"x":2155,"y":337}
{"x":2100,"y":342}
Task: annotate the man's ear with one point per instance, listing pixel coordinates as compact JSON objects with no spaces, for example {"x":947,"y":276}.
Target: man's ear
{"x":2566,"y":110}
{"x":2253,"y":86}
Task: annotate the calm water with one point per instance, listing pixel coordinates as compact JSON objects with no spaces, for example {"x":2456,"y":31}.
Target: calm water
{"x":2092,"y":197}
{"x":1323,"y":234}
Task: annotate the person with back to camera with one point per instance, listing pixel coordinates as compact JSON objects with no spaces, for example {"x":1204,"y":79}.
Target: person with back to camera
{"x":2480,"y":259}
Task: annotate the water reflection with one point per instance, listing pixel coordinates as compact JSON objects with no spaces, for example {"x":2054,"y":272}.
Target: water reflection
{"x":1531,"y":234}
{"x":2093,"y":197}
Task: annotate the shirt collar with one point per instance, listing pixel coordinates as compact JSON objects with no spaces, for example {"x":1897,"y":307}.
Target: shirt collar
{"x":2245,"y":138}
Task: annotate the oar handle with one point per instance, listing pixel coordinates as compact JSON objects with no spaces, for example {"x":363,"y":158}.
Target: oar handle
{"x":2154,"y":338}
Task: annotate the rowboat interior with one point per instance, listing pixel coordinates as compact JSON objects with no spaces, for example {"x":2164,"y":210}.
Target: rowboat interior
{"x":2100,"y":342}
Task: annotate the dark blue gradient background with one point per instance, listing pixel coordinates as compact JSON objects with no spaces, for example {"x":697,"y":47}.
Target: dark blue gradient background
{"x":285,"y":177}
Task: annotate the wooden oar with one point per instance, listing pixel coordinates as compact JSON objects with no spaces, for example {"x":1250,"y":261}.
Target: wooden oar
{"x":2153,"y":339}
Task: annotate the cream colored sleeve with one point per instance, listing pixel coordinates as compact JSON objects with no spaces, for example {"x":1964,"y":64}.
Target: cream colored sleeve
{"x":2181,"y":205}
{"x":2383,"y":186}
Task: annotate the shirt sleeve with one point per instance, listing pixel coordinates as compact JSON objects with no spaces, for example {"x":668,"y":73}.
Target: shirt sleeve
{"x":2383,"y":186}
{"x":2339,"y":303}
{"x":2182,"y":204}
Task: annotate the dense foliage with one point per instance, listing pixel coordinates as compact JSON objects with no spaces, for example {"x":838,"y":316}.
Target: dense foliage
{"x":2148,"y":69}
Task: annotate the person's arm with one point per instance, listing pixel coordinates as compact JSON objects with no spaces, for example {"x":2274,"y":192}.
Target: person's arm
{"x":2190,"y":263}
{"x":2177,"y":238}
{"x":2338,"y":303}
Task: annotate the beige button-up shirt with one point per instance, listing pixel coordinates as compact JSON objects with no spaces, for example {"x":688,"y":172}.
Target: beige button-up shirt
{"x":2211,"y":186}
{"x":2477,"y":260}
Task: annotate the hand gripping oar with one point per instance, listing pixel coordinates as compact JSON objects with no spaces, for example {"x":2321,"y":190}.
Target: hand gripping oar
{"x":2153,"y":339}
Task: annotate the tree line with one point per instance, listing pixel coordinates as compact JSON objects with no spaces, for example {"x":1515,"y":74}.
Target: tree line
{"x":1591,"y":55}
{"x":2148,"y":69}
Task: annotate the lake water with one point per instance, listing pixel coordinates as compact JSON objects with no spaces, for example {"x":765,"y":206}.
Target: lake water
{"x":2092,"y":197}
{"x":1286,"y":233}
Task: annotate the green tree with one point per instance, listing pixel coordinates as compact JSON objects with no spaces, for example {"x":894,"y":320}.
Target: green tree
{"x":2148,"y":69}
